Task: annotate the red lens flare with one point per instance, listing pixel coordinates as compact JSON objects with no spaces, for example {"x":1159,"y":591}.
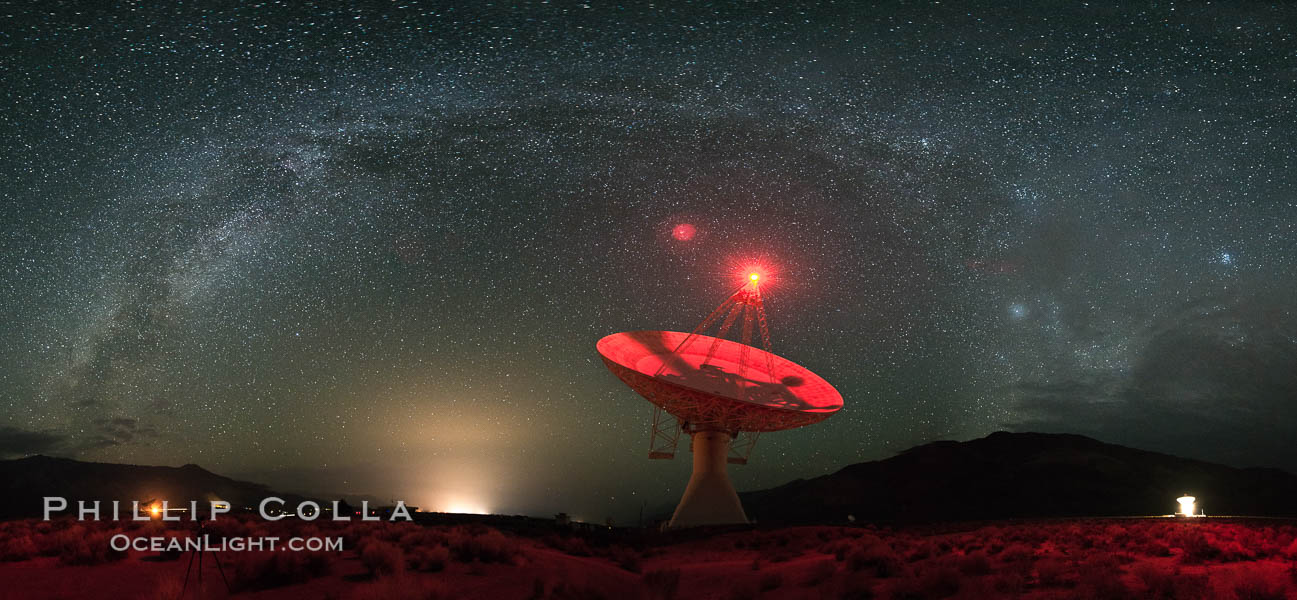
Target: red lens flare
{"x":755,"y":273}
{"x":684,"y":232}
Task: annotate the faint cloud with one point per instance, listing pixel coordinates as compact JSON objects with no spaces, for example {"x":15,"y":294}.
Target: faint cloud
{"x":1217,"y":380}
{"x":15,"y":442}
{"x":108,"y":432}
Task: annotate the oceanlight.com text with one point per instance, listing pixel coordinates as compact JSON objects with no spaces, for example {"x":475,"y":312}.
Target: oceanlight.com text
{"x":123,"y":542}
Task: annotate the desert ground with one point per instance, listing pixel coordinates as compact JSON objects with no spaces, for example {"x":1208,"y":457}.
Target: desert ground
{"x":1213,"y":558}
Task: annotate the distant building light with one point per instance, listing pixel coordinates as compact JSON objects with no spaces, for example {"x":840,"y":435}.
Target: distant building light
{"x":1186,"y":505}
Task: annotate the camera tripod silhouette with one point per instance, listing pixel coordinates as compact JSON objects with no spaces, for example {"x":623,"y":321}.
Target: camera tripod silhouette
{"x":198,"y":553}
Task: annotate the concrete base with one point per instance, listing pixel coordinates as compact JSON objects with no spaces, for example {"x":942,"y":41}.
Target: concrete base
{"x":710,"y":498}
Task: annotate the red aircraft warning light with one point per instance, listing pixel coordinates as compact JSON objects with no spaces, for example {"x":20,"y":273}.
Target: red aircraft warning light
{"x":720,"y":392}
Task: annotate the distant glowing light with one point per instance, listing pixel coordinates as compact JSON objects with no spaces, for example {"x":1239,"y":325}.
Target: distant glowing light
{"x":466,"y":507}
{"x":684,"y":232}
{"x":755,"y":272}
{"x":1186,"y":505}
{"x":1017,"y":311}
{"x":156,"y":510}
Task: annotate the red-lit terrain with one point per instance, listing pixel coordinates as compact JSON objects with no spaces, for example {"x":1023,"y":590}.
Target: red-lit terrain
{"x":1100,"y":558}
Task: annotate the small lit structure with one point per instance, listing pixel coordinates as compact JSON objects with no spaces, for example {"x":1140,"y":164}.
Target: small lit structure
{"x":1186,"y":505}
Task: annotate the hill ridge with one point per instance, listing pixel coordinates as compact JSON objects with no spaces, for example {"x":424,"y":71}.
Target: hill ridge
{"x":1022,"y":474}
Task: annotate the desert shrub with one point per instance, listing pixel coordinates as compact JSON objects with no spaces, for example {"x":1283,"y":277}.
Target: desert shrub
{"x":1169,"y":584}
{"x":821,"y":571}
{"x":869,"y":539}
{"x":662,"y":584}
{"x":838,"y":548}
{"x":393,"y":531}
{"x":93,"y":549}
{"x":428,"y":558}
{"x":264,"y":570}
{"x":744,"y":590}
{"x":976,"y":563}
{"x":937,"y":582}
{"x":779,"y":555}
{"x":550,"y":588}
{"x":1257,"y":584}
{"x":1234,"y":550}
{"x":625,"y":558}
{"x":1291,"y":551}
{"x":383,"y":558}
{"x":1195,"y":547}
{"x":1051,"y":571}
{"x":553,"y":588}
{"x":15,"y":529}
{"x":359,"y":543}
{"x":982,"y":588}
{"x":921,"y":550}
{"x":400,"y":588}
{"x":19,"y":547}
{"x":1100,"y":578}
{"x":941,"y":582}
{"x":351,"y":536}
{"x":170,"y":554}
{"x":225,"y":527}
{"x":1017,"y":552}
{"x":771,"y":581}
{"x":855,"y":587}
{"x":575,"y":546}
{"x":1103,"y":588}
{"x":1007,"y":584}
{"x":489,"y":546}
{"x":874,"y":556}
{"x":1153,"y":548}
{"x":1256,"y":542}
{"x":572,"y":546}
{"x":167,"y":588}
{"x":55,"y":542}
{"x":423,"y":537}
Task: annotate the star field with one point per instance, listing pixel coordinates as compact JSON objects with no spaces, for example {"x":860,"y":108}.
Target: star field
{"x":371,"y":249}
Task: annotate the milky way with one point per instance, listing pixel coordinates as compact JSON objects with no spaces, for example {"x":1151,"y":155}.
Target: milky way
{"x":372,"y":249}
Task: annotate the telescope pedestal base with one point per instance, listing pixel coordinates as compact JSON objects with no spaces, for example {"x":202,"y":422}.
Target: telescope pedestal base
{"x":709,"y":499}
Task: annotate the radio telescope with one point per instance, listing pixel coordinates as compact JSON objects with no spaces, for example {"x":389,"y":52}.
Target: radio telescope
{"x":722,"y":393}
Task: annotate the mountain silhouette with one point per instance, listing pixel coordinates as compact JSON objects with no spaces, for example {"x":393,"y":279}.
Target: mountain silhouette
{"x":1023,"y":475}
{"x":25,"y":481}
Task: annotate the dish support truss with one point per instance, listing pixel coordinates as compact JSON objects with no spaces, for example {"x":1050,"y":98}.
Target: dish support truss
{"x":746,"y":302}
{"x":665,"y":436}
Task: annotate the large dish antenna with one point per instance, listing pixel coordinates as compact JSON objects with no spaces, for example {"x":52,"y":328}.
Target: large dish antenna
{"x":721,"y":393}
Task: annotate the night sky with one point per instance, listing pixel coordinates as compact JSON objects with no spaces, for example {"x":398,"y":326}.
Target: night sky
{"x":371,"y":250}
